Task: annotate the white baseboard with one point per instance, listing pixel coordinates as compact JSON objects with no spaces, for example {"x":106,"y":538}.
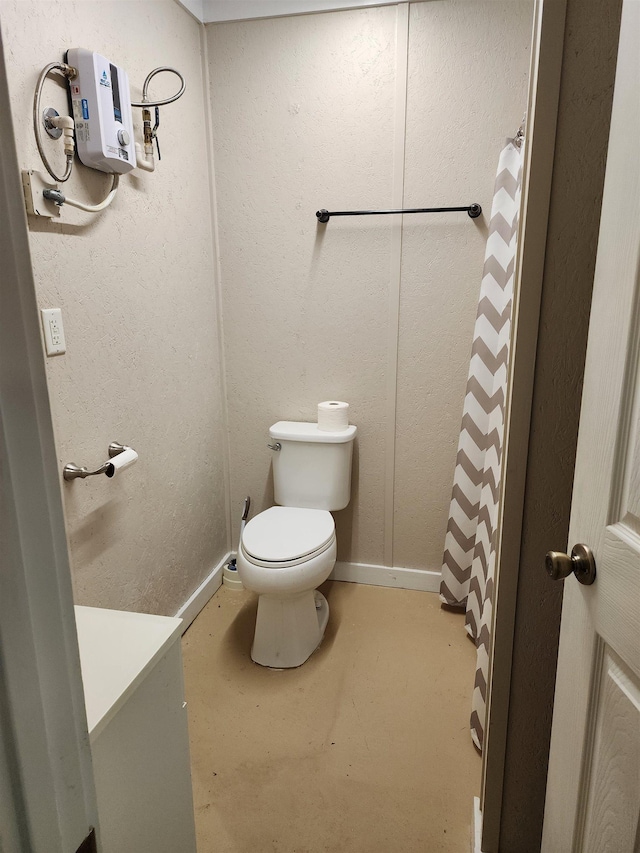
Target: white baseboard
{"x":476,"y":827}
{"x":399,"y":578}
{"x":419,"y":579}
{"x":197,"y":600}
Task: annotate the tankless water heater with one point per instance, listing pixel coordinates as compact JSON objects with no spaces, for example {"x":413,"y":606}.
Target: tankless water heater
{"x":101,"y":106}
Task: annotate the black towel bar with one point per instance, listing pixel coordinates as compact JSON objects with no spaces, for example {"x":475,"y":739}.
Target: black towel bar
{"x":474,"y":210}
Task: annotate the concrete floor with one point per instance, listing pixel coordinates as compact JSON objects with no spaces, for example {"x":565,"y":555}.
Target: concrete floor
{"x":363,"y":749}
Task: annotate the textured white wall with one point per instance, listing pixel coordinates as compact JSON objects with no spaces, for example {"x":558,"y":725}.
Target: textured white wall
{"x":137,"y":292}
{"x":467,"y":91}
{"x":303,"y":118}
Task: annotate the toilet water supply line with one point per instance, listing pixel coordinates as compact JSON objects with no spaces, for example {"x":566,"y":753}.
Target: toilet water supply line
{"x":245,"y":516}
{"x":67,"y":125}
{"x":233,"y":565}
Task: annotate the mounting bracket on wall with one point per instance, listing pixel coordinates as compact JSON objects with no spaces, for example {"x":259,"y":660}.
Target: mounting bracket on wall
{"x":474,"y":210}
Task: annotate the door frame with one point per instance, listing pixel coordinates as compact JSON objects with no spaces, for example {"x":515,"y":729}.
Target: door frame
{"x":46,"y":777}
{"x":573,"y":59}
{"x":547,"y":46}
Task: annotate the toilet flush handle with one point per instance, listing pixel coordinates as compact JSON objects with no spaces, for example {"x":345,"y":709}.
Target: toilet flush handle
{"x":276,"y":446}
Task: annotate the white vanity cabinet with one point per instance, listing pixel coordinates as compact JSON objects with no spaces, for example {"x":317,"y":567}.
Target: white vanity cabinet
{"x":132,"y":674}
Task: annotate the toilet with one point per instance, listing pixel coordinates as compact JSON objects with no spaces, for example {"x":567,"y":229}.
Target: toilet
{"x":288,"y":550}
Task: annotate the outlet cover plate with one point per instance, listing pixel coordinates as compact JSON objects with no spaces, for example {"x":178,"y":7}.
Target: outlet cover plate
{"x":53,"y":329}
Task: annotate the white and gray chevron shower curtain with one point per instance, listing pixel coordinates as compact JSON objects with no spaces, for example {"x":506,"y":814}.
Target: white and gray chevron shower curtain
{"x":469,"y":555}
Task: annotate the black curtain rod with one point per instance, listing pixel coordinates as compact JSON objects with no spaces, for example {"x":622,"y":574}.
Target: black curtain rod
{"x":474,"y":210}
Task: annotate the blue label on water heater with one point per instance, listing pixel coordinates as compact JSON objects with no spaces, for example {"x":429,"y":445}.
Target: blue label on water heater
{"x":85,"y":109}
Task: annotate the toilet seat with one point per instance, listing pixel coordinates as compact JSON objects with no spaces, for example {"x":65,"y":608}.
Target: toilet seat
{"x":287,"y":536}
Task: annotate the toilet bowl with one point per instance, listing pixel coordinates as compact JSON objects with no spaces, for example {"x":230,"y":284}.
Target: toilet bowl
{"x":288,"y":550}
{"x":285,"y":553}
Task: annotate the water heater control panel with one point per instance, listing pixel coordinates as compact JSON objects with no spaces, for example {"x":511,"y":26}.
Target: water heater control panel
{"x":101,"y":106}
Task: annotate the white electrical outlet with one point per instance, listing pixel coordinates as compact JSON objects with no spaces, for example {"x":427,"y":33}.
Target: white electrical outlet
{"x":53,"y":331}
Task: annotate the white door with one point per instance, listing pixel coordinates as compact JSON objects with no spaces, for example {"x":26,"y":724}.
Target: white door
{"x":593,"y":789}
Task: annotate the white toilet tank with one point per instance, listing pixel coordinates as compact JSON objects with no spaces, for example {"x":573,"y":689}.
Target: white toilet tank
{"x":313,"y":467}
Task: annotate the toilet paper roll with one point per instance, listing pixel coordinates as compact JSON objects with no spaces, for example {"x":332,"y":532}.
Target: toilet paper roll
{"x":121,"y":461}
{"x":333,"y":416}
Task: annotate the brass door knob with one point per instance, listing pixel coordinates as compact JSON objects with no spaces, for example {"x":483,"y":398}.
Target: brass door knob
{"x":581,"y":562}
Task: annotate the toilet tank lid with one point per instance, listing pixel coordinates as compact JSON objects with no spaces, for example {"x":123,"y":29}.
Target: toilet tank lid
{"x":296,"y":431}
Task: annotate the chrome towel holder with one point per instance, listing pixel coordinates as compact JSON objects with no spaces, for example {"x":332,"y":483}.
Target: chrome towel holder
{"x":74,"y":472}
